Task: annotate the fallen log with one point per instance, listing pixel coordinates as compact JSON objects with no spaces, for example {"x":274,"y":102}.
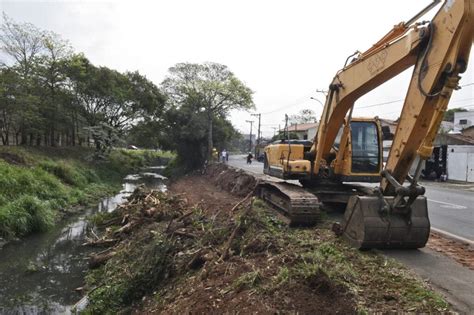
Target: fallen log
{"x":97,"y":260}
{"x":101,"y":242}
{"x":126,"y":228}
{"x":249,"y":195}
{"x":183,"y":233}
{"x":225,"y":252}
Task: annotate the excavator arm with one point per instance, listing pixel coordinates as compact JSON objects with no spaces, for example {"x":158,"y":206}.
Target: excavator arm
{"x":395,"y":215}
{"x":435,"y":76}
{"x":358,"y":78}
{"x":439,"y":50}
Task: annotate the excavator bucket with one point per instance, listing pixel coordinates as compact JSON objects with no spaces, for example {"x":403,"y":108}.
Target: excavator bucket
{"x":367,"y":224}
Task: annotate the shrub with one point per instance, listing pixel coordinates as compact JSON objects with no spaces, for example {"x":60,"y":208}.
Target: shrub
{"x":28,"y":214}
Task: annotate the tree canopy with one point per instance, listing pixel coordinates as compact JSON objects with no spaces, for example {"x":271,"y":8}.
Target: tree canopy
{"x":208,"y":88}
{"x":304,"y":116}
{"x":53,"y":96}
{"x":50,"y":95}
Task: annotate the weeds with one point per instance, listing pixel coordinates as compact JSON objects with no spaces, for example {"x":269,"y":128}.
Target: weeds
{"x":37,"y":183}
{"x":249,"y":280}
{"x":155,"y":260}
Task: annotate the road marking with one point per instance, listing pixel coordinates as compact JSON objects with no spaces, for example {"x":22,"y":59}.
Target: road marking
{"x":448,"y":205}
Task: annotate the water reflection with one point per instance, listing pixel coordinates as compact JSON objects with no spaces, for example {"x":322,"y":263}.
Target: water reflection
{"x":39,"y":274}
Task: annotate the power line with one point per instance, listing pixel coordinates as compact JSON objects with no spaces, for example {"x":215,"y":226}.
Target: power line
{"x":401,"y":100}
{"x":297,"y":102}
{"x":380,"y":104}
{"x":301,"y":101}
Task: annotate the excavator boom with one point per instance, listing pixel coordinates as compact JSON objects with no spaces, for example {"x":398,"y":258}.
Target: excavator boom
{"x":349,"y":149}
{"x":397,"y":215}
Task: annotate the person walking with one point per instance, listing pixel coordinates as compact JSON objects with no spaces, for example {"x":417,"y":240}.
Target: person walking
{"x":249,"y":158}
{"x":224,"y":156}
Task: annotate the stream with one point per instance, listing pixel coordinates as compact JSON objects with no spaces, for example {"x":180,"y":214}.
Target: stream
{"x":39,"y":274}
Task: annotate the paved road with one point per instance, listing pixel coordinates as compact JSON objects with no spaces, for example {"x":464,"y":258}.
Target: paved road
{"x":450,"y":210}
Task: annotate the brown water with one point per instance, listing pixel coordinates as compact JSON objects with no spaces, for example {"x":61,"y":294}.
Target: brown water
{"x":38,"y":275}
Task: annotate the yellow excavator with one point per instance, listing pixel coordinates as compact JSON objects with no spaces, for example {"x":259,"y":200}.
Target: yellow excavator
{"x":348,"y":149}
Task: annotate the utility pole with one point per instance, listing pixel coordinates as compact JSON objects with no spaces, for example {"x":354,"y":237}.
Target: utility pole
{"x":258,"y":132}
{"x":274,"y":130}
{"x":250,"y":142}
{"x":315,"y":99}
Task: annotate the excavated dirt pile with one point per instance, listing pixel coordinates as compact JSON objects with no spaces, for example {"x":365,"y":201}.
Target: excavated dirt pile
{"x":200,"y":249}
{"x":235,"y":181}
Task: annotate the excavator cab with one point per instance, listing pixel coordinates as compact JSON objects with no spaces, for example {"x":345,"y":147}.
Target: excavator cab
{"x":365,"y":148}
{"x":362,"y":157}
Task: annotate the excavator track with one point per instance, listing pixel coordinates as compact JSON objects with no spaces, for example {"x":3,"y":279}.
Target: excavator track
{"x":298,"y":205}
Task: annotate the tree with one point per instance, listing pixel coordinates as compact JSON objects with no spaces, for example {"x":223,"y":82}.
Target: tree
{"x":283,"y":135}
{"x":449,"y":114}
{"x":9,"y":85}
{"x":48,"y":94}
{"x":52,"y":77}
{"x":113,"y":99}
{"x":303,"y":117}
{"x":183,"y":129}
{"x":22,"y":42}
{"x":211,"y":88}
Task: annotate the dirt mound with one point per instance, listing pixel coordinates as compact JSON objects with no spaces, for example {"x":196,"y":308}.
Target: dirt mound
{"x":235,"y":181}
{"x":193,"y":250}
{"x":189,"y":248}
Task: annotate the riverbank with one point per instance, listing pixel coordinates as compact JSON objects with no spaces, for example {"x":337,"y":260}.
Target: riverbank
{"x":206,"y":248}
{"x":39,"y":186}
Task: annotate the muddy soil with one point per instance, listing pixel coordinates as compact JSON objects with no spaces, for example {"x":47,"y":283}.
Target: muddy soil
{"x":461,"y":252}
{"x":216,"y":289}
{"x":235,"y":181}
{"x":197,"y":192}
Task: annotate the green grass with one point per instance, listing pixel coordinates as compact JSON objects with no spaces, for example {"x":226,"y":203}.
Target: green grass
{"x":36,"y":183}
{"x":152,"y":264}
{"x":317,"y":252}
{"x":147,"y":266}
{"x":247,"y":280}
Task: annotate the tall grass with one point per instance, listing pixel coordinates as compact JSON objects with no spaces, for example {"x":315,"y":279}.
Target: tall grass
{"x":32,"y":193}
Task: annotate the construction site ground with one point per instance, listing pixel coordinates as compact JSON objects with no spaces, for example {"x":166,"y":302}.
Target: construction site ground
{"x":208,"y":246}
{"x":445,"y":262}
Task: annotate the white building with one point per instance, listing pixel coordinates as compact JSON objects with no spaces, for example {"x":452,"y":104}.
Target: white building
{"x":305,"y":131}
{"x":461,"y":162}
{"x":463,"y":120}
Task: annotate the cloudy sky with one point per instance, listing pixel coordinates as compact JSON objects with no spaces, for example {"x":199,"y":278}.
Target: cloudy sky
{"x":283,"y":50}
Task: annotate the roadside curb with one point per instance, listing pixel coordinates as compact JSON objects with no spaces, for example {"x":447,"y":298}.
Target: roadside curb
{"x":453,"y":237}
